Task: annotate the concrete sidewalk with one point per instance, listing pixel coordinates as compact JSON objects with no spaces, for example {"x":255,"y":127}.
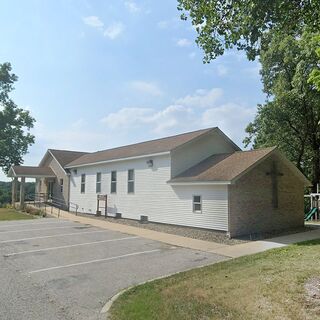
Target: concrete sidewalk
{"x":232,"y":251}
{"x":201,"y":245}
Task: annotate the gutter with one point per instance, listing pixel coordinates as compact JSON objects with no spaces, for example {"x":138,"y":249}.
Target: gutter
{"x":199,"y":183}
{"x":117,"y":160}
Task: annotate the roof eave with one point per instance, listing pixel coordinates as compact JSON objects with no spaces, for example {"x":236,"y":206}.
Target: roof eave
{"x":70,"y":165}
{"x":31,"y":176}
{"x":202,"y":182}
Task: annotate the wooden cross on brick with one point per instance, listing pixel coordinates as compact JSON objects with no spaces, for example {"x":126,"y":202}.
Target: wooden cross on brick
{"x":274,"y":173}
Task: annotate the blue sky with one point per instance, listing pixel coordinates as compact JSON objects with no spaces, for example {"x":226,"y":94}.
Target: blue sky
{"x":99,"y":74}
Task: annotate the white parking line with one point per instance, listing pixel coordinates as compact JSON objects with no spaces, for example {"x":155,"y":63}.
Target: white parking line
{"x":69,"y":246}
{"x":40,"y":229}
{"x":53,"y":236}
{"x":94,"y":261}
{"x":2,"y":224}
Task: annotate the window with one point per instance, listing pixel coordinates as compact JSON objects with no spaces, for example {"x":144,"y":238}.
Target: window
{"x":113,"y":181}
{"x":98,"y":182}
{"x":83,"y":183}
{"x":61,"y":185}
{"x":130,"y":181}
{"x":197,"y":204}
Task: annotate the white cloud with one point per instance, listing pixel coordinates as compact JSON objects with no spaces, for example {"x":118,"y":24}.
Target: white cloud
{"x":146,"y":88}
{"x":201,"y":98}
{"x":184,"y":115}
{"x":93,"y":21}
{"x":171,"y":118}
{"x":184,"y":42}
{"x":114,"y":30}
{"x":157,"y":121}
{"x":232,"y":118}
{"x":127,"y":117}
{"x":132,"y":6}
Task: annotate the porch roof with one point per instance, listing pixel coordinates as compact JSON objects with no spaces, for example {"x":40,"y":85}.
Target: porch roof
{"x":30,"y":172}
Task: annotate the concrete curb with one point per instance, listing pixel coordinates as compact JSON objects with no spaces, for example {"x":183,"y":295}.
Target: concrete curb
{"x":106,"y":308}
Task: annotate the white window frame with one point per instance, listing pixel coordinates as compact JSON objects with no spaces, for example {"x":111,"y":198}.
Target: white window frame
{"x":194,"y":203}
{"x":61,"y":185}
{"x":83,"y":183}
{"x":98,"y":182}
{"x":113,"y":182}
{"x":131,"y":181}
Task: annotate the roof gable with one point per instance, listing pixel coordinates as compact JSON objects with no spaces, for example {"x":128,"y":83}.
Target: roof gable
{"x":230,"y":167}
{"x":63,"y":157}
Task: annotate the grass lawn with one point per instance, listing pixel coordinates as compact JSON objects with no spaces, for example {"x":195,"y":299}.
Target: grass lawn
{"x":11,"y":214}
{"x":269,"y":285}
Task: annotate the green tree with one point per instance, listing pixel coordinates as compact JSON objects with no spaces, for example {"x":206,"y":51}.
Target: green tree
{"x":244,"y":24}
{"x":315,"y":74}
{"x":290,"y":117}
{"x":15,"y":123}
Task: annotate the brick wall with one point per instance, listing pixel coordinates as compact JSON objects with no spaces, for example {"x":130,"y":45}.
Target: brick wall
{"x":250,"y":201}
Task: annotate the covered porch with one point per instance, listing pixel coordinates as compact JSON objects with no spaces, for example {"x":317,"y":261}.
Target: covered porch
{"x":20,"y":174}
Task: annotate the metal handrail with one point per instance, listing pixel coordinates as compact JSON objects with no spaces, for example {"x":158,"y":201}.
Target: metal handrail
{"x":62,"y":203}
{"x":43,"y":198}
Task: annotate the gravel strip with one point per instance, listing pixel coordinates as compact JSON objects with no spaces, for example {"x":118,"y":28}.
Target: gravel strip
{"x":194,"y":233}
{"x":200,"y":234}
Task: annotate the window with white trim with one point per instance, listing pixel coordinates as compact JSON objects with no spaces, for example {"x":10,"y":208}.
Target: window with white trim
{"x":113,"y":181}
{"x":98,"y":182}
{"x":130,"y":181}
{"x":83,"y":183}
{"x":197,"y":204}
{"x":61,"y":185}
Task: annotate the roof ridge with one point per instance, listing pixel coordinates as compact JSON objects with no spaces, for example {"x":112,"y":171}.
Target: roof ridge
{"x":153,"y":140}
{"x":255,"y":150}
{"x":64,"y":150}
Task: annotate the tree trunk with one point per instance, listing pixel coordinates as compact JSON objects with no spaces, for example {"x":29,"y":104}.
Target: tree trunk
{"x":316,"y":166}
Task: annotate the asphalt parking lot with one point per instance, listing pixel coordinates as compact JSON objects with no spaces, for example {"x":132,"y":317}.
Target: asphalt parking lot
{"x":57,"y":269}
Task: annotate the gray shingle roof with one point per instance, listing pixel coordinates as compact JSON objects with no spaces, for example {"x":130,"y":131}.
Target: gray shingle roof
{"x":139,"y":149}
{"x":223,"y":167}
{"x":28,"y":171}
{"x":64,"y":156}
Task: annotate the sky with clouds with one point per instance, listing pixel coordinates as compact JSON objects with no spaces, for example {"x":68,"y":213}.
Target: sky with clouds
{"x":100,"y":74}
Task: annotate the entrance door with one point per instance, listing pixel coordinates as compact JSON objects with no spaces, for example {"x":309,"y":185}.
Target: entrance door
{"x":50,"y":189}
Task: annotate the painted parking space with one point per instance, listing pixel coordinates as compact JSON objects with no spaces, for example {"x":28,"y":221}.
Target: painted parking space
{"x":79,"y":270}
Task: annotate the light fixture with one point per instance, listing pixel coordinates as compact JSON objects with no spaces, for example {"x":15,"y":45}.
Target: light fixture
{"x":150,"y":163}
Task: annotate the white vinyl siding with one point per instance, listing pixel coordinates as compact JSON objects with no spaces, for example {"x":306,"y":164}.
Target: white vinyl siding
{"x":153,"y":196}
{"x":192,"y":153}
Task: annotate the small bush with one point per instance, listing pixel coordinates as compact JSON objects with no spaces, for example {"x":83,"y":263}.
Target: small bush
{"x":34,"y":211}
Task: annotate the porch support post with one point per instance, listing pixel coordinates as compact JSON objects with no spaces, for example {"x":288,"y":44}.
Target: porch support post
{"x":14,"y":186}
{"x":22,"y":183}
